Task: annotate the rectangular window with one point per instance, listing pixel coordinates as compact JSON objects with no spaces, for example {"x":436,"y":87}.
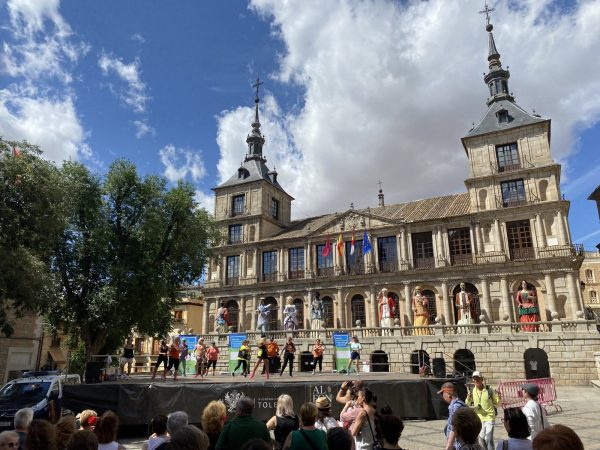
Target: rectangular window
{"x":237,"y":205}
{"x":388,"y":256}
{"x":355,"y":262}
{"x":520,"y":243}
{"x":422,"y":246}
{"x":235,"y":234}
{"x":325,"y":263}
{"x":275,"y":209}
{"x":513,"y":193}
{"x":296,"y":262}
{"x":269,"y":266}
{"x":507,"y":157}
{"x":459,"y":240}
{"x":232,"y":274}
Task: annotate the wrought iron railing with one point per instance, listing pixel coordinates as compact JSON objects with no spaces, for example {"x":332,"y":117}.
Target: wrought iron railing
{"x":296,"y":274}
{"x":424,"y":263}
{"x":232,"y":281}
{"x":522,"y":254}
{"x":461,"y":260}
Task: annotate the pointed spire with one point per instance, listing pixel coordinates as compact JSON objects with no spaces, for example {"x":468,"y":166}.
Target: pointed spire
{"x":255,"y":140}
{"x":497,"y":77}
{"x":380,"y":195}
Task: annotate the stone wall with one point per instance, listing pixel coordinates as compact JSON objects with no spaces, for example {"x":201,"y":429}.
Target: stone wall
{"x":20,"y":351}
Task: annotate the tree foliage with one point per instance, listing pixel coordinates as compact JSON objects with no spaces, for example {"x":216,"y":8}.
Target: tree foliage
{"x":32,"y":217}
{"x":129,"y":244}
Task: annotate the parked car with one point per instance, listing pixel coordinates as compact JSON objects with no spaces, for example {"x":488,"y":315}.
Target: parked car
{"x":40,"y":391}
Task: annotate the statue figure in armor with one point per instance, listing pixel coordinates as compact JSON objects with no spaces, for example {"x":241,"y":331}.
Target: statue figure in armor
{"x":316,"y":313}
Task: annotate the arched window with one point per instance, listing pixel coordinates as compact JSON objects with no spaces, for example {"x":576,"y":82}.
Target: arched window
{"x":357,"y":308}
{"x":234,"y":311}
{"x":589,"y":276}
{"x":431,"y":304}
{"x":396,"y":304}
{"x":543,"y":185}
{"x":475,"y":306}
{"x":299,"y":304}
{"x":482,"y":199}
{"x":328,"y":312}
{"x":273,"y":313}
{"x":593,"y":297}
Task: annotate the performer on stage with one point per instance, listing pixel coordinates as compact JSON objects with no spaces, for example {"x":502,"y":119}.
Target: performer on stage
{"x":464,"y":302}
{"x":316,"y":312}
{"x":387,"y":309}
{"x":212,"y":353}
{"x":243,"y":358}
{"x":184,"y":351}
{"x":127,"y":358}
{"x":163,"y":358}
{"x":222,"y":319}
{"x":200,"y":351}
{"x":528,"y":307}
{"x":288,"y":356}
{"x":263,"y":356}
{"x":355,"y":348}
{"x":317,"y":354}
{"x":290,"y":321}
{"x":420,"y":306}
{"x":173,"y":359}
{"x":262,"y":323}
{"x":273,"y":353}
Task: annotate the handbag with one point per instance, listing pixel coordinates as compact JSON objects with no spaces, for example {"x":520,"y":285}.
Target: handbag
{"x":377,"y":445}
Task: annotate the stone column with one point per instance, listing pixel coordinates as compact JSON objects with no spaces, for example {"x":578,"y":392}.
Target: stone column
{"x":507,"y":307}
{"x":481,"y":243}
{"x":205,"y":316}
{"x":242,"y":314}
{"x":243,"y":264}
{"x":539,"y":222}
{"x":280,"y":311}
{"x":498,"y":236}
{"x":562,"y":234}
{"x":485,"y":297}
{"x":475,"y":244}
{"x":550,"y":295}
{"x":573,"y":297}
{"x":403,"y":254}
{"x":374,"y":308}
{"x":398,"y":251}
{"x":409,"y":311}
{"x":285,"y":263}
{"x":446,"y":301}
{"x":409,"y":258}
{"x":344,"y":313}
{"x":254,"y":307}
{"x":308,"y":262}
{"x":306,"y":309}
{"x":567,"y":230}
{"x":257,"y":265}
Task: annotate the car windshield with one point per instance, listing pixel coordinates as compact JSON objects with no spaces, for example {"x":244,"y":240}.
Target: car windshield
{"x":31,"y":393}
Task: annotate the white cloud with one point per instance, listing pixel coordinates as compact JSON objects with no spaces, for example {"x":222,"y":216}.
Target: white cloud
{"x":182,"y":163}
{"x":38,"y":104}
{"x":143,"y":128}
{"x":134,"y":94}
{"x":137,"y":37}
{"x":390,"y":87}
{"x":205,"y":200}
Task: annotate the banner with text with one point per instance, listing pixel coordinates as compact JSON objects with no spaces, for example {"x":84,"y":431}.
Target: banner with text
{"x":189,"y":364}
{"x":341,"y":344}
{"x":235,"y":342}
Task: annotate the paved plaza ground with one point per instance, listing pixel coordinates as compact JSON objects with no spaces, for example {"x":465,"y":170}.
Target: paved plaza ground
{"x":580,"y":411}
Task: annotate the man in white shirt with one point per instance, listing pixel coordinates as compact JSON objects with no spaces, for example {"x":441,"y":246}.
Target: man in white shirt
{"x":536,"y":416}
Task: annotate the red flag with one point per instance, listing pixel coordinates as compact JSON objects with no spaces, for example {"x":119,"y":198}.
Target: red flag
{"x":16,"y":151}
{"x":327,"y":249}
{"x":353,"y":244}
{"x":340,"y":245}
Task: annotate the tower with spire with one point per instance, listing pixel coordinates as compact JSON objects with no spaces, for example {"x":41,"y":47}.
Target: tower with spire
{"x":251,"y":204}
{"x":510,"y":164}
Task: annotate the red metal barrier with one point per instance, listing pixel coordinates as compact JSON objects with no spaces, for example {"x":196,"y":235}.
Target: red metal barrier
{"x":511,"y":393}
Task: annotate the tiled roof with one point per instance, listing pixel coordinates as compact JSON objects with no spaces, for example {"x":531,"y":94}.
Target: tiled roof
{"x":415,"y":211}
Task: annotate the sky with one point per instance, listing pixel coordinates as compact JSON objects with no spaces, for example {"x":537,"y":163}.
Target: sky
{"x":354,"y":91}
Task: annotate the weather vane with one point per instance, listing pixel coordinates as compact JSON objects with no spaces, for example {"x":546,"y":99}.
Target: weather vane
{"x":487,"y":12}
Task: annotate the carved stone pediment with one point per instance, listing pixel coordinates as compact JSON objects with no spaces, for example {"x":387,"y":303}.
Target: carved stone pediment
{"x":354,"y":220}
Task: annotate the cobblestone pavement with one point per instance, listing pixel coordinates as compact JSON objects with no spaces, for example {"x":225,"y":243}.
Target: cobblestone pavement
{"x":580,"y":411}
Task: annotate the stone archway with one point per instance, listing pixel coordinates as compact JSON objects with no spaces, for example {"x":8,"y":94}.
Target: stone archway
{"x":273,"y":313}
{"x":464,"y":362}
{"x":233,"y":311}
{"x":357,"y":311}
{"x":328,"y":311}
{"x":475,"y":305}
{"x":299,"y":304}
{"x":431,"y":304}
{"x":536,"y":363}
{"x":537,"y":289}
{"x":380,"y":361}
{"x":418,"y":359}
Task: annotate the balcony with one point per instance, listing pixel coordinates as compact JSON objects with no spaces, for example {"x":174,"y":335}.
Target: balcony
{"x":465,"y":259}
{"x":268,"y":277}
{"x":325,"y":272}
{"x":424,"y":263}
{"x":235,"y":240}
{"x":232,"y":281}
{"x":357,"y":269}
{"x":296,"y":274}
{"x":516,"y":165}
{"x":522,"y":254}
{"x":490,"y":257}
{"x":388,"y":266}
{"x":512,"y":202}
{"x":553,"y":251}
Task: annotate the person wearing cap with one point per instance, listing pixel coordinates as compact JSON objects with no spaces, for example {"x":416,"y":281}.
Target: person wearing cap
{"x":536,"y":416}
{"x":485,"y":402}
{"x":324,"y":420}
{"x":449,"y":396}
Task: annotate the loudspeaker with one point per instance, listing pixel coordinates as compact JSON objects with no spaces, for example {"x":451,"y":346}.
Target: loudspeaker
{"x":439,"y":367}
{"x":93,"y":370}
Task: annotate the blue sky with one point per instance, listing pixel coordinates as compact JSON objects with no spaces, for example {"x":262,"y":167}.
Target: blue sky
{"x":355,"y":91}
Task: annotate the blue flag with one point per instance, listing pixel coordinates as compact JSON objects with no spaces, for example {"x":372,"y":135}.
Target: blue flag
{"x":366,"y":243}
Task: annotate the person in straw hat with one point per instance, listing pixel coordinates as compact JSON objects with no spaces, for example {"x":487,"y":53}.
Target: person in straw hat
{"x":324,"y":420}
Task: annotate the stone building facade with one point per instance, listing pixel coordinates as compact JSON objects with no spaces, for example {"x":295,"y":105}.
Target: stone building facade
{"x":510,"y":225}
{"x":22,"y":351}
{"x":590,"y":277}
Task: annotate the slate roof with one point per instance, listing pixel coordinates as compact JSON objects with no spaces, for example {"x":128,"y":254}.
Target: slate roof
{"x":517,"y":117}
{"x":255,"y":169}
{"x":415,"y":211}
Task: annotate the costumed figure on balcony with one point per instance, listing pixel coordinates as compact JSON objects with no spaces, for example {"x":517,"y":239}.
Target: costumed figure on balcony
{"x":420,"y":307}
{"x":316,"y":313}
{"x":464,"y":307}
{"x":387,"y":309}
{"x":222,"y":319}
{"x":262,"y":323}
{"x":290,"y":315}
{"x":528,"y":307}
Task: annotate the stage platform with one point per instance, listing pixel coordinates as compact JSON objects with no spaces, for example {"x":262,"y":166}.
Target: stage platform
{"x":139,"y":399}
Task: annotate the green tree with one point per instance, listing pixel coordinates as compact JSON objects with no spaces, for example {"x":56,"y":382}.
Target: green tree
{"x":129,"y":245}
{"x":32,"y":217}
